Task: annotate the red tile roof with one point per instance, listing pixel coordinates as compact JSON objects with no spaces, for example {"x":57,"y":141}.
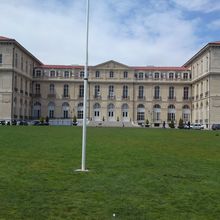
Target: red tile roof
{"x":61,"y":66}
{"x":216,"y":42}
{"x":5,"y":38}
{"x":161,"y":68}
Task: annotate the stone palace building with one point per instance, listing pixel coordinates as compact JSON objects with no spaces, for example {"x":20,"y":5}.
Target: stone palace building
{"x":117,"y":93}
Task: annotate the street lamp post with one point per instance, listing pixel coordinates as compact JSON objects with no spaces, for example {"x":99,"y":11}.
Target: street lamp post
{"x":83,"y":165}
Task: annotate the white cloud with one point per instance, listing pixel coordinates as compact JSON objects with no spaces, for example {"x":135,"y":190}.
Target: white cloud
{"x":199,"y":5}
{"x":130,"y":32}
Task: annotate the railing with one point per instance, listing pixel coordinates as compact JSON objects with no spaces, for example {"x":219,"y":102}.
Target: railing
{"x":125,"y":97}
{"x":52,"y":95}
{"x":157,"y":98}
{"x":171,"y":98}
{"x":112,"y":97}
{"x":97,"y":97}
{"x":141,"y":97}
{"x":66,"y":96}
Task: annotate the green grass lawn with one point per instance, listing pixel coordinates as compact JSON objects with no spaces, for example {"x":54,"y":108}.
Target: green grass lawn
{"x":135,"y":173}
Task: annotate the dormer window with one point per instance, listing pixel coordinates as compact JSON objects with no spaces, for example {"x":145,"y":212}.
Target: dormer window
{"x":156,"y":75}
{"x":111,"y":74}
{"x":171,"y":75}
{"x":66,"y":74}
{"x":140,"y":75}
{"x":52,"y":73}
{"x":38,"y":73}
{"x":185,"y":75}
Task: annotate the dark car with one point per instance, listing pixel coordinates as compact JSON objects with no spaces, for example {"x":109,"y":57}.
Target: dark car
{"x":2,"y":122}
{"x":216,"y":127}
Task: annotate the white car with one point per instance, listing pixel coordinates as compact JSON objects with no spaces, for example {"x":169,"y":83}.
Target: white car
{"x":197,"y":126}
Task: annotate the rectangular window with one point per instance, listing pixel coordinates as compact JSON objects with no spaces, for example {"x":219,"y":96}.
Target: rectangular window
{"x":186,"y":93}
{"x":37,"y":88}
{"x":97,"y":91}
{"x":111,"y":74}
{"x":65,"y":114}
{"x":38,"y":73}
{"x":22,"y":63}
{"x":81,"y":90}
{"x":51,"y":113}
{"x":0,"y":58}
{"x":140,"y":116}
{"x":111,"y":91}
{"x":16,"y":60}
{"x":26,"y":67}
{"x":125,"y":74}
{"x":125,"y":92}
{"x":80,"y":114}
{"x":140,"y":92}
{"x":171,"y":116}
{"x":97,"y":74}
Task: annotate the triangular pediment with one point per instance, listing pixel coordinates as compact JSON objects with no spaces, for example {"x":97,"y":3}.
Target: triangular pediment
{"x":111,"y":64}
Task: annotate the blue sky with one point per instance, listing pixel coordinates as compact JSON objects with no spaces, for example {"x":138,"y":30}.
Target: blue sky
{"x":140,"y":32}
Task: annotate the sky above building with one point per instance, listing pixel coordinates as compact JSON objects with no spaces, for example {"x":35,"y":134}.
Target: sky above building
{"x":133,"y":32}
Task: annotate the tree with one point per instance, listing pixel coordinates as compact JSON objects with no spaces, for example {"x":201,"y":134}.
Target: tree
{"x":181,"y":126}
{"x":172,"y":125}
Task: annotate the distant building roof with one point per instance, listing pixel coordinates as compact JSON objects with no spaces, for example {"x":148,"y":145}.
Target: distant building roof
{"x":61,"y":66}
{"x":160,"y":68}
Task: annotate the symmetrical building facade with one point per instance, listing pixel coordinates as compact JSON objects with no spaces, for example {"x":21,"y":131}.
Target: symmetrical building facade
{"x":117,"y":93}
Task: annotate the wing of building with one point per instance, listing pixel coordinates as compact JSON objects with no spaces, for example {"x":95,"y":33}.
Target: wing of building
{"x":117,"y":93}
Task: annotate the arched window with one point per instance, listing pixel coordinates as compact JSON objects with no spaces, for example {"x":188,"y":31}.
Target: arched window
{"x":65,"y":109}
{"x":171,"y":113}
{"x":111,"y":112}
{"x":37,"y":110}
{"x":80,"y":111}
{"x":96,"y":109}
{"x":140,"y":113}
{"x":125,"y":112}
{"x":186,"y":113}
{"x":156,"y":112}
{"x":51,"y":109}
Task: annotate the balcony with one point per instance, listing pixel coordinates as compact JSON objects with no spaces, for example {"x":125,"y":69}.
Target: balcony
{"x":111,"y":97}
{"x":52,"y":95}
{"x":97,"y":97}
{"x":125,"y":97}
{"x":66,"y":96}
{"x":186,"y":98}
{"x":158,"y":98}
{"x":171,"y":98}
{"x":141,"y":98}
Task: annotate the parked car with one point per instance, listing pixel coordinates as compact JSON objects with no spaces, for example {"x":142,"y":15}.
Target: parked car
{"x":22,"y":123}
{"x":2,"y":122}
{"x":13,"y":122}
{"x":197,"y":126}
{"x":216,"y":127}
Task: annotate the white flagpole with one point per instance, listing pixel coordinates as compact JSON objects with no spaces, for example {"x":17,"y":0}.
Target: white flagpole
{"x":83,"y":167}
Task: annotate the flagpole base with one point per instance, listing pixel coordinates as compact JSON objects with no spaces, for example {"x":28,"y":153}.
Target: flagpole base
{"x":80,"y":170}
